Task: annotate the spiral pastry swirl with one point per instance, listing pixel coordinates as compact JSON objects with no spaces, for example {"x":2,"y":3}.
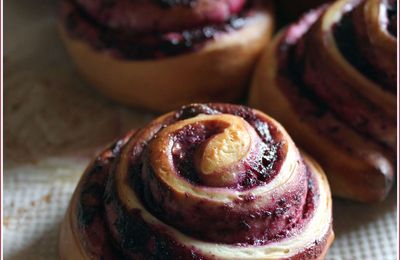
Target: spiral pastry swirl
{"x":333,"y":76}
{"x":211,"y":181}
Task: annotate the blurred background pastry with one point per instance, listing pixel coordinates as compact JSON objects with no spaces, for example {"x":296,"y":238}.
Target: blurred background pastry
{"x":162,"y":54}
{"x":330,"y":79}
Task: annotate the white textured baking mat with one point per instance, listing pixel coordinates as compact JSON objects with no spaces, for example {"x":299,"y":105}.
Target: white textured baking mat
{"x":54,"y":124}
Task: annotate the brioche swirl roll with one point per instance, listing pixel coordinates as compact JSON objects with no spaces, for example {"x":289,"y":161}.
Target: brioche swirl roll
{"x":207,"y":181}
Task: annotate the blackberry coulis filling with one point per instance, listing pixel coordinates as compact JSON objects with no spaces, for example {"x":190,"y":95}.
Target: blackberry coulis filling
{"x":91,"y":23}
{"x":260,"y":171}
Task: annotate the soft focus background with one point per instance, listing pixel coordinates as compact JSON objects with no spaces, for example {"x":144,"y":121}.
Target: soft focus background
{"x":54,"y":123}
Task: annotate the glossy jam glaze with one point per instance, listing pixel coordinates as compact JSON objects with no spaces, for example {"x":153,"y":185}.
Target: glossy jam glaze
{"x":110,"y":230}
{"x":143,"y":42}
